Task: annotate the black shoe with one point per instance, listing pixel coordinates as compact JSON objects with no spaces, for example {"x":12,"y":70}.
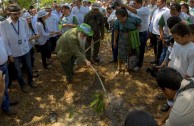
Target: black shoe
{"x":165,"y":107}
{"x":48,"y":67}
{"x":32,"y":85}
{"x":13,"y":103}
{"x":153,"y":62}
{"x":96,"y":60}
{"x":113,"y":61}
{"x":24,"y":89}
{"x":10,"y":112}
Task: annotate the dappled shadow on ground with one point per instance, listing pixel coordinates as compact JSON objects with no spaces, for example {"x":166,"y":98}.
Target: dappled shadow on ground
{"x":125,"y":93}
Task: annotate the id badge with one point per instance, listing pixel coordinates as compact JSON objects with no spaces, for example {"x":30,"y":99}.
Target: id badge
{"x":19,"y":41}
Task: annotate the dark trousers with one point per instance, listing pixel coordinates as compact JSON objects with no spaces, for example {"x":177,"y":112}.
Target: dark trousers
{"x":143,"y":40}
{"x":45,"y":53}
{"x":106,"y":25}
{"x":5,"y":103}
{"x":114,"y":50}
{"x":96,"y":47}
{"x":12,"y":73}
{"x":68,"y":68}
{"x":17,"y":61}
{"x":32,"y":56}
{"x":157,"y":43}
{"x":53,"y":41}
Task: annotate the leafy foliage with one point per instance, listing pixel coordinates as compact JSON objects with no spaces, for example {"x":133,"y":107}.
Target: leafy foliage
{"x":98,"y":103}
{"x":25,"y":4}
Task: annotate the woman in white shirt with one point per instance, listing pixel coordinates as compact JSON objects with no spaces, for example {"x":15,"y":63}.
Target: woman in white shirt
{"x":67,"y":20}
{"x":31,"y":35}
{"x":43,"y":40}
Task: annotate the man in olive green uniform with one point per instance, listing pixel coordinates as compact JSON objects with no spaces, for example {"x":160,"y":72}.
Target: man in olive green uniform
{"x":96,"y":20}
{"x":71,"y":45}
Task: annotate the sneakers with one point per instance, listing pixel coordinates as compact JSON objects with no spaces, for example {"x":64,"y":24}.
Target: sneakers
{"x":136,"y":68}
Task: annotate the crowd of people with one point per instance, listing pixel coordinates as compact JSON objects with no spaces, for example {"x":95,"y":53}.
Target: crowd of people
{"x":70,"y":29}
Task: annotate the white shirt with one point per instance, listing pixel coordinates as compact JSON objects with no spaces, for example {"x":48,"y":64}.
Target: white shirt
{"x":52,"y":23}
{"x":67,"y":20}
{"x":191,"y":11}
{"x":32,"y":42}
{"x":44,"y":35}
{"x":182,"y":16}
{"x":33,"y":21}
{"x":112,"y":17}
{"x":182,"y":59}
{"x":182,"y":112}
{"x":57,"y":14}
{"x":151,"y":8}
{"x":143,"y":14}
{"x":79,"y":13}
{"x":154,"y":27}
{"x":3,"y":52}
{"x":12,"y":39}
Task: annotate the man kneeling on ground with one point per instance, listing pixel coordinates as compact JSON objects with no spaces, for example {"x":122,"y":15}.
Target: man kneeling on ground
{"x":71,"y":45}
{"x":181,"y":91}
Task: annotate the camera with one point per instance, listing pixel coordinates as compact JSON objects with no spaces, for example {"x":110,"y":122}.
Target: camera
{"x":115,"y":4}
{"x":152,"y":71}
{"x":169,"y":40}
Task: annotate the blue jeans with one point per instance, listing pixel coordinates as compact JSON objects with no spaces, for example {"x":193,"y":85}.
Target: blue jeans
{"x":5,"y":103}
{"x":143,"y":39}
{"x":17,"y":61}
{"x":163,"y":55}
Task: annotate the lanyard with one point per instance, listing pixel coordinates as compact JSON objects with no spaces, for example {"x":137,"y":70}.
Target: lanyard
{"x":18,"y":32}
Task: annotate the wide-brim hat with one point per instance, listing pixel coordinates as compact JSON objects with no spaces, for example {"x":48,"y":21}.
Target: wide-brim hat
{"x":66,"y":5}
{"x":47,"y":7}
{"x":86,"y":29}
{"x":14,"y":8}
{"x":96,"y":5}
{"x":26,"y":15}
{"x":42,"y":13}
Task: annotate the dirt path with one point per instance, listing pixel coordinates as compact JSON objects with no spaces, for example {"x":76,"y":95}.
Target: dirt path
{"x":136,"y":91}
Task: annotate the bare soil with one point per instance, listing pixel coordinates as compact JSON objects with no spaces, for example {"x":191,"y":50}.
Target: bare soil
{"x":126,"y":93}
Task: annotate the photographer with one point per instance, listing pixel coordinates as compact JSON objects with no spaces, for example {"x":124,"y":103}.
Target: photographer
{"x":169,"y":42}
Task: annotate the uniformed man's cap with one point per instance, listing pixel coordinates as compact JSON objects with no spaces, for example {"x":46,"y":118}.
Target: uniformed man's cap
{"x":86,"y":29}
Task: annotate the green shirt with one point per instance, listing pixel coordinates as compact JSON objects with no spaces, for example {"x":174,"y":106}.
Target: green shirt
{"x":68,"y":45}
{"x":96,"y":22}
{"x":130,"y":24}
{"x":163,"y":20}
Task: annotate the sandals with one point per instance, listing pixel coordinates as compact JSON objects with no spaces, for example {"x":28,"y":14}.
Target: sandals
{"x":118,"y":71}
{"x":126,"y":73}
